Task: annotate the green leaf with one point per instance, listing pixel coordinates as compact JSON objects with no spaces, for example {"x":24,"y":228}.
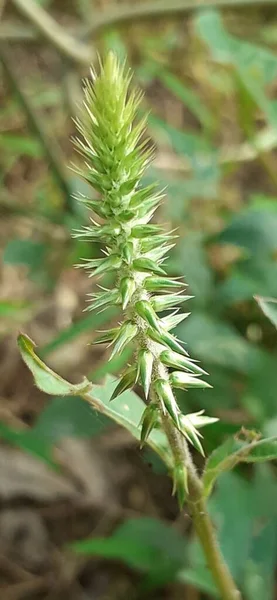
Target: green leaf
{"x":233,"y":452}
{"x":253,"y":230}
{"x":255,"y":66}
{"x":47,"y":380}
{"x":218,"y":343}
{"x":258,"y":273}
{"x":144,"y":544}
{"x":233,"y":512}
{"x":13,"y":308}
{"x":20,"y":145}
{"x":25,"y":252}
{"x":188,"y":97}
{"x":269,"y":308}
{"x":198,"y":578}
{"x":201,"y":156}
{"x":30,"y":441}
{"x":126,"y":410}
{"x":68,"y":417}
{"x":191,"y":261}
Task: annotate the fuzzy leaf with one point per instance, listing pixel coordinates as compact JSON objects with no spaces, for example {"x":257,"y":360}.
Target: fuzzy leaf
{"x":234,"y":451}
{"x":47,"y":380}
{"x":126,"y":410}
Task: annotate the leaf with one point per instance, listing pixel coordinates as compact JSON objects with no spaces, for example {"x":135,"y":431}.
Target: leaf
{"x":126,"y":410}
{"x":13,"y":308}
{"x":191,"y":261}
{"x":145,"y":544}
{"x":254,"y":230}
{"x":232,"y":452}
{"x":20,"y":145}
{"x":198,"y":152}
{"x":47,"y":380}
{"x":216,"y":342}
{"x":258,"y":273}
{"x":269,"y":308}
{"x":199,"y":578}
{"x":255,"y":66}
{"x":29,"y":441}
{"x":228,"y":49}
{"x":188,"y":97}
{"x":231,"y":508}
{"x":25,"y":252}
{"x":68,"y":417}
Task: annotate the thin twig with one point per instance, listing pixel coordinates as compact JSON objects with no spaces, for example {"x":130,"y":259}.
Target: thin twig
{"x":54,"y":32}
{"x":51,"y":149}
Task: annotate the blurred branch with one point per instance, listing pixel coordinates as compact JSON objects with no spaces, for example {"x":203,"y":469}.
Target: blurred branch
{"x":54,"y":32}
{"x":122,"y":13}
{"x":2,"y":6}
{"x":67,"y":43}
{"x":51,"y":149}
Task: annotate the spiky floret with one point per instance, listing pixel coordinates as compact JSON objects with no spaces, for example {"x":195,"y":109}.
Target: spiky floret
{"x":116,"y":156}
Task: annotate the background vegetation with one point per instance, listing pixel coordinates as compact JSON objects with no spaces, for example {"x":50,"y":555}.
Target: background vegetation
{"x":209,"y":78}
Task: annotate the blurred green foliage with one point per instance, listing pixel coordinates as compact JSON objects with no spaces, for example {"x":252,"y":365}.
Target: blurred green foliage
{"x":227,"y":253}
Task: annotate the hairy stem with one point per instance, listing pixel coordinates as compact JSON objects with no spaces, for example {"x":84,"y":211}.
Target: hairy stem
{"x":181,"y":454}
{"x":201,"y":519}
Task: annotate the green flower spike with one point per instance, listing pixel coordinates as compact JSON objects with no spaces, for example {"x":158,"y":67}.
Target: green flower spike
{"x":116,"y":155}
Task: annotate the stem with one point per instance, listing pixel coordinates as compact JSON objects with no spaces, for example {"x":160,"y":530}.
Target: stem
{"x":181,"y":455}
{"x":201,"y":520}
{"x":55,"y":33}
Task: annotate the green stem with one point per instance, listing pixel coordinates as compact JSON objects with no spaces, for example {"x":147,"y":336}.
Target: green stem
{"x":181,"y":455}
{"x":201,"y":519}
